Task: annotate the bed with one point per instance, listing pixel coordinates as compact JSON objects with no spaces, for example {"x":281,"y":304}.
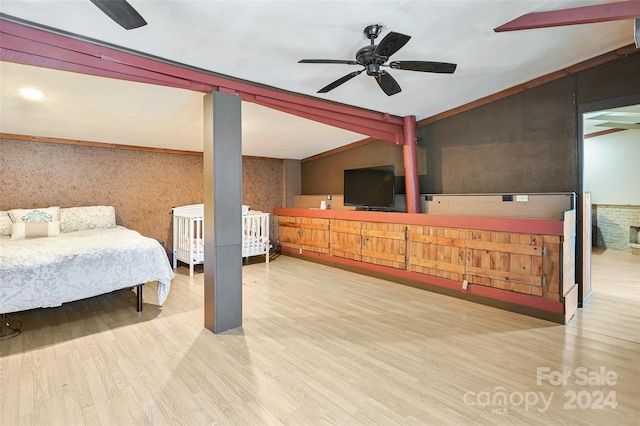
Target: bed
{"x":88,"y":256}
{"x":188,"y":235}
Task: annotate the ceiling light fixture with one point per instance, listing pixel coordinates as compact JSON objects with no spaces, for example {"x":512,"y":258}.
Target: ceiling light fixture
{"x":31,"y":93}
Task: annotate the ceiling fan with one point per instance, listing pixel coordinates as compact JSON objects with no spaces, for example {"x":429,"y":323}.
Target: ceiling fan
{"x":121,"y":12}
{"x":578,"y":15}
{"x":373,"y":57}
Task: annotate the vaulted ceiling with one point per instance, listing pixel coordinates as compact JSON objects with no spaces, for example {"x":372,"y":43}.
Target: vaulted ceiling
{"x":262,"y":42}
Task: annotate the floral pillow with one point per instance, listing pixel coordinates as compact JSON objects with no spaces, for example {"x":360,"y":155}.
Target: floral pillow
{"x":83,"y":218}
{"x":35,"y":223}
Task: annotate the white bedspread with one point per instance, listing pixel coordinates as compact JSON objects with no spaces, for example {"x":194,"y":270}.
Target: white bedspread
{"x":46,"y":272}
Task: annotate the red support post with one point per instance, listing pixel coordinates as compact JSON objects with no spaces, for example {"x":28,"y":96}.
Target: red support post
{"x":411,"y":165}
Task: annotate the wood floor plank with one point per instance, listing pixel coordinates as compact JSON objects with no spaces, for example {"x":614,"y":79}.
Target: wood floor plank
{"x":321,"y":346}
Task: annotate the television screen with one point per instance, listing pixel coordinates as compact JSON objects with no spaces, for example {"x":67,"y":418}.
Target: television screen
{"x":371,"y":187}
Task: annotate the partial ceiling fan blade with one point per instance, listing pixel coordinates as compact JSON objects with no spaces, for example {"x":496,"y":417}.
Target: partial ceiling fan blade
{"x":121,"y":12}
{"x":424,"y":66}
{"x":387,"y":83}
{"x":390,"y":44}
{"x":327,"y":61}
{"x":339,"y":81}
{"x":573,"y":16}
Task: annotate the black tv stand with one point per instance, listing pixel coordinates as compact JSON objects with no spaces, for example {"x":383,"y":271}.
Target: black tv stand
{"x":373,"y":209}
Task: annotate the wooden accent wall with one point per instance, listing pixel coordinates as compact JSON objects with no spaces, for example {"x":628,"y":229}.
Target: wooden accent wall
{"x":521,"y":262}
{"x":437,"y":251}
{"x":384,"y":244}
{"x":309,"y":234}
{"x":346,"y":239}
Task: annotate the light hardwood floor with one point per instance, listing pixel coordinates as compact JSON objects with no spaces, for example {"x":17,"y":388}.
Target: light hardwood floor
{"x":324,"y":346}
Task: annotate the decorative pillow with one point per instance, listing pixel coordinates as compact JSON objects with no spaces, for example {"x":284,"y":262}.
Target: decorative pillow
{"x":50,"y":214}
{"x":24,"y":230}
{"x":91,"y":217}
{"x":5,"y":224}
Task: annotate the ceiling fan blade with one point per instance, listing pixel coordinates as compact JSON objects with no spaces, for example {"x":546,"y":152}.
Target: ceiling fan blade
{"x":339,"y":81}
{"x":576,"y":15}
{"x":121,"y":12}
{"x":327,"y":61}
{"x":387,"y":83}
{"x":424,"y":66}
{"x":390,"y":44}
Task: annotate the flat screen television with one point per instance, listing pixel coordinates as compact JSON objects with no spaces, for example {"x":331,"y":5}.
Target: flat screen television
{"x":370,"y":187}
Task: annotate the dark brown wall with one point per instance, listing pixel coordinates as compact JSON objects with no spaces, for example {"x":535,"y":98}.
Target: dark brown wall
{"x":142,"y":186}
{"x":527,"y":142}
{"x":610,"y":80}
{"x":325,"y":175}
{"x":523,"y":143}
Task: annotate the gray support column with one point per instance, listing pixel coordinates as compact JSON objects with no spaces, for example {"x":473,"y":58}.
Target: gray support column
{"x":222,"y":212}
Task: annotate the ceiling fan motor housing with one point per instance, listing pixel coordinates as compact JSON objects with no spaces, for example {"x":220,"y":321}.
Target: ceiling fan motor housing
{"x":369,"y":60}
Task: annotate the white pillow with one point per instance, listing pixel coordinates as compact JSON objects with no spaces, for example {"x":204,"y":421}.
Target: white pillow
{"x":49,"y":214}
{"x":26,"y":230}
{"x":5,"y":224}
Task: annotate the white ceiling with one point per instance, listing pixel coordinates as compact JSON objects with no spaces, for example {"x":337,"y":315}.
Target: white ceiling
{"x":261,"y":41}
{"x":624,"y":118}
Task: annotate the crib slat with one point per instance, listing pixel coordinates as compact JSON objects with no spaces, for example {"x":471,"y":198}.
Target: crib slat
{"x":188,"y":235}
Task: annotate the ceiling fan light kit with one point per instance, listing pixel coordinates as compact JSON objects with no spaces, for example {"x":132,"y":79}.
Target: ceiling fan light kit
{"x":373,"y":57}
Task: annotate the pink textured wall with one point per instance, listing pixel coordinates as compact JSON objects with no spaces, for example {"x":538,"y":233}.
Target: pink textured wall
{"x":142,"y":186}
{"x":262,"y":186}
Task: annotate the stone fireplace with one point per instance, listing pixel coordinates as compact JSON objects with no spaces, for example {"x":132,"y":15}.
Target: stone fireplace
{"x":617,"y":227}
{"x":634,"y":239}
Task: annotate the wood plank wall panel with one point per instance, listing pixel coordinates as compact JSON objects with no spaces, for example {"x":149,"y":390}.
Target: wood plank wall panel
{"x":552,"y":267}
{"x":384,"y":244}
{"x":507,"y":261}
{"x":346,"y":240}
{"x":520,"y":262}
{"x":309,"y":234}
{"x":437,"y":251}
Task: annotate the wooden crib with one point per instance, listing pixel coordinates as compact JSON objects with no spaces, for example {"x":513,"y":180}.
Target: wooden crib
{"x":188,"y":235}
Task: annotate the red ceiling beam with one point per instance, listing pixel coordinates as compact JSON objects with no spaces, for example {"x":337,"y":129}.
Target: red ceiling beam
{"x":577,"y":15}
{"x":356,"y":124}
{"x":31,"y":46}
{"x":24,"y":58}
{"x":346,"y":125}
{"x":69,"y":60}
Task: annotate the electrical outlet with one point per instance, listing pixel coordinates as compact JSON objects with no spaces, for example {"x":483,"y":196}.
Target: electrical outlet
{"x":300,"y":251}
{"x":465,"y":284}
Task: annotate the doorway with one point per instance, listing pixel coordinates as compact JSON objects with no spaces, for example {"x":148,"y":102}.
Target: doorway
{"x":609,"y":145}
